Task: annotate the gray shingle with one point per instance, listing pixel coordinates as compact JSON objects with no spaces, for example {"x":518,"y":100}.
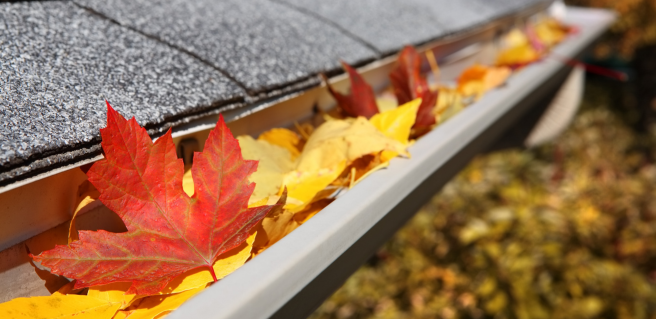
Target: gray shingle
{"x":263,"y":45}
{"x":456,"y":16}
{"x":501,"y":8}
{"x":388,"y":25}
{"x":58,"y":64}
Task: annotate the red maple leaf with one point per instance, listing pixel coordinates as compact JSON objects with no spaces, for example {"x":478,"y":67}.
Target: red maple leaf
{"x":361,"y":101}
{"x":168,"y":231}
{"x":409,"y":84}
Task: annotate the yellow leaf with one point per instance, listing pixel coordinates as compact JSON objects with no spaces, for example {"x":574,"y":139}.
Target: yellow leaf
{"x":188,"y":183}
{"x":303,"y":186}
{"x":154,"y":306}
{"x":284,"y":138}
{"x":65,"y":289}
{"x":122,"y":314}
{"x":449,"y":103}
{"x":550,"y":31}
{"x":278,"y":226}
{"x":113,"y":293}
{"x":515,"y":38}
{"x":87,"y":201}
{"x":313,"y":209}
{"x":386,"y":103}
{"x":58,"y":306}
{"x":339,"y":141}
{"x":396,"y":123}
{"x":274,"y":163}
{"x":518,"y":56}
{"x":274,"y":226}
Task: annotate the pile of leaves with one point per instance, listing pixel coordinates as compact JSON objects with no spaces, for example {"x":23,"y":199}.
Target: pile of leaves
{"x":187,"y":227}
{"x":563,"y":231}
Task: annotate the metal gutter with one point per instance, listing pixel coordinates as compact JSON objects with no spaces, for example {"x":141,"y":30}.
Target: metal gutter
{"x":290,"y":279}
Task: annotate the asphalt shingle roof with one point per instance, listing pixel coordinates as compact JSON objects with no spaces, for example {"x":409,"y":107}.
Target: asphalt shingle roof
{"x":59,"y":63}
{"x":388,"y":25}
{"x":260,"y":43}
{"x":170,"y":61}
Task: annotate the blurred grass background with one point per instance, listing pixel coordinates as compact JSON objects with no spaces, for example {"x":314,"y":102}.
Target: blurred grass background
{"x":567,"y":230}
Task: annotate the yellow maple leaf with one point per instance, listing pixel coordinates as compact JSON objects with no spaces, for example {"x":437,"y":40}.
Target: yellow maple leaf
{"x":113,"y":293}
{"x":157,"y":306}
{"x":273,"y":163}
{"x":340,"y":141}
{"x":284,"y":138}
{"x":58,"y":306}
{"x":397,"y":123}
{"x":304,"y":186}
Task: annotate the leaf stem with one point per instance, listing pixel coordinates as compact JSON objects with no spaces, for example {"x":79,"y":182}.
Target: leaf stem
{"x":213,"y":274}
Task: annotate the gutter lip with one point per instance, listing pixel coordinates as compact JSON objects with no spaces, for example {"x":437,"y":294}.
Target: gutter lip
{"x":265,"y":284}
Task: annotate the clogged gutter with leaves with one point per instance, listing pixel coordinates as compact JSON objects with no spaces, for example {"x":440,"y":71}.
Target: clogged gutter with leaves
{"x":189,"y":227}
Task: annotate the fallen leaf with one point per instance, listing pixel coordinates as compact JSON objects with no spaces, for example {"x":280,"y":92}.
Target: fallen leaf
{"x":517,"y":56}
{"x":550,"y":32}
{"x":113,"y":293}
{"x":87,"y":201}
{"x":192,"y":279}
{"x":154,"y":306}
{"x":66,"y":289}
{"x":339,"y":141}
{"x":398,"y":122}
{"x":410,"y":84}
{"x":386,"y":104}
{"x":333,"y":146}
{"x":311,"y":210}
{"x":168,"y":233}
{"x":58,"y":307}
{"x":304,"y":186}
{"x":449,"y":103}
{"x":225,"y":264}
{"x":273,"y":163}
{"x":478,"y":79}
{"x":284,"y":138}
{"x":514,"y":38}
{"x":361,"y":101}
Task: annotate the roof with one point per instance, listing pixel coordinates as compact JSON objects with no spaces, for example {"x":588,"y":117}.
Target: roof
{"x":169,"y":62}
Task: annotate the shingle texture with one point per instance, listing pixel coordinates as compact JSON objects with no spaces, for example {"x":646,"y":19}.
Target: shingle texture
{"x":59,"y":63}
{"x":388,"y":25}
{"x":500,"y":8}
{"x":171,"y":61}
{"x":261,"y":44}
